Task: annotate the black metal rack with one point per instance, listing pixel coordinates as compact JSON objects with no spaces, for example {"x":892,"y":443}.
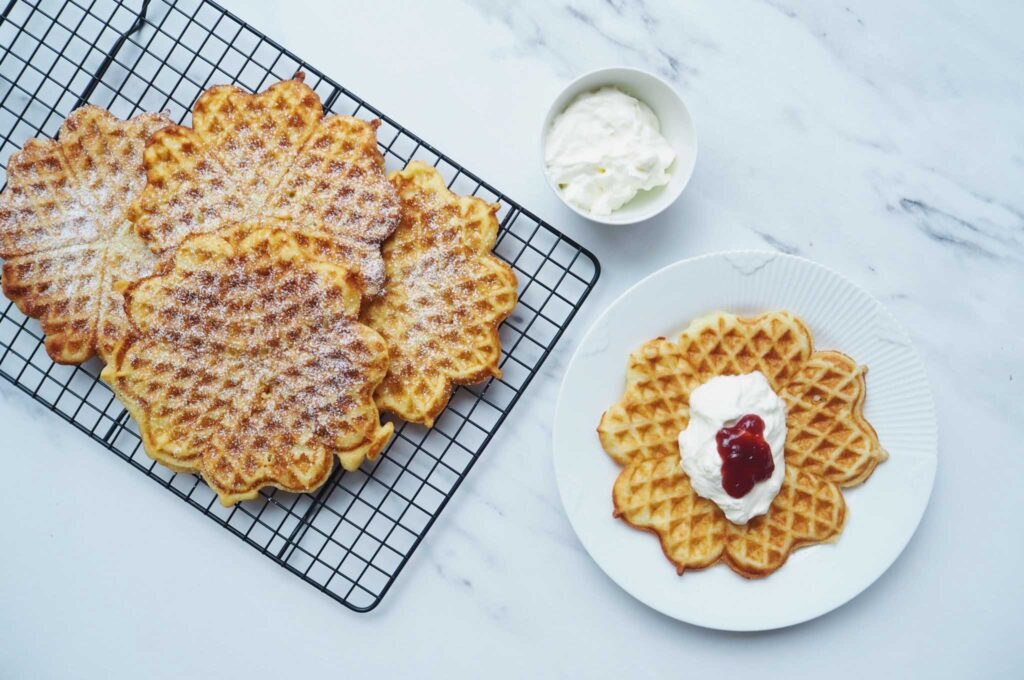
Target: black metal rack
{"x":352,"y":537}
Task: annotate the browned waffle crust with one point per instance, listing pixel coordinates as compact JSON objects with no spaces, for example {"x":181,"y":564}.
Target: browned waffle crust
{"x":272,"y":155}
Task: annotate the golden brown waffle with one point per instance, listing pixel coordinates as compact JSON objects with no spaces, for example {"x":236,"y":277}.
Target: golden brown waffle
{"x":445,"y":296}
{"x":248,"y":364}
{"x":829,"y":443}
{"x":273,"y":155}
{"x":647,"y":421}
{"x":64,"y":236}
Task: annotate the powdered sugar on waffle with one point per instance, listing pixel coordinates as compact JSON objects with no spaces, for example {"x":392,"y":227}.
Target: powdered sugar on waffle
{"x":283,"y":322}
{"x":445,"y":297}
{"x":433,"y":303}
{"x":65,"y":198}
{"x":272,"y":157}
{"x":252,"y":364}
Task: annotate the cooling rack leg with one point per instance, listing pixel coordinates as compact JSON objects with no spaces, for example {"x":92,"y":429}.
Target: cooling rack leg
{"x":109,"y":59}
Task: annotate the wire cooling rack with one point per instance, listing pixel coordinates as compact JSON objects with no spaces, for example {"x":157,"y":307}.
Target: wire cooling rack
{"x":352,"y":537}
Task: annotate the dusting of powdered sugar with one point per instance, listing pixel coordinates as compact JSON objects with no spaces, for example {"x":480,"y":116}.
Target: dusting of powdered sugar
{"x":324,"y":178}
{"x":67,"y":197}
{"x":434,"y":303}
{"x":273,"y":341}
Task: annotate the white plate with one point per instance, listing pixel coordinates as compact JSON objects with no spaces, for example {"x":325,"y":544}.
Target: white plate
{"x":883,"y":512}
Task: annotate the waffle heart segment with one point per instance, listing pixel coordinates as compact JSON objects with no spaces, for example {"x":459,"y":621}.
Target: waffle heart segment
{"x":64,"y":236}
{"x":445,"y":297}
{"x":654,"y":494}
{"x":828,"y":433}
{"x":655,"y":408}
{"x":248,"y":364}
{"x":808,"y":510}
{"x":775,"y":344}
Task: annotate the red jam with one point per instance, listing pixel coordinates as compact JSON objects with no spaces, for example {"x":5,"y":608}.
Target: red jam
{"x":746,"y":456}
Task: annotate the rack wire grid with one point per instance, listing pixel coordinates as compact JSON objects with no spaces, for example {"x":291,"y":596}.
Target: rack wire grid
{"x":352,"y":537}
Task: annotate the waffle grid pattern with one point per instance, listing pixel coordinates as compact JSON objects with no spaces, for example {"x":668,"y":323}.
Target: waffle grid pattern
{"x":829,"y":443}
{"x":353,"y":537}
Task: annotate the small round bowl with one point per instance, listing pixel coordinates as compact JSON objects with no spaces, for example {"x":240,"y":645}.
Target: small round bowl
{"x":676,"y":126}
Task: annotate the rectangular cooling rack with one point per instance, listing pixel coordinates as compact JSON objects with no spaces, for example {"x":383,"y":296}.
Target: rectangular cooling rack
{"x":353,"y":537}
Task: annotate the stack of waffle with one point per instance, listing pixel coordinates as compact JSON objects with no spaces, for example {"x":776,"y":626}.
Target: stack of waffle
{"x":257,"y":286}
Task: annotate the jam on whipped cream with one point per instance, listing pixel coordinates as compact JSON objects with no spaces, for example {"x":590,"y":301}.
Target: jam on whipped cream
{"x":604,"y":149}
{"x":733,"y":449}
{"x":746,"y":456}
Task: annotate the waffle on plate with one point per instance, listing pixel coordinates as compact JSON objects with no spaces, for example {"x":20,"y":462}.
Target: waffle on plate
{"x":829,"y":443}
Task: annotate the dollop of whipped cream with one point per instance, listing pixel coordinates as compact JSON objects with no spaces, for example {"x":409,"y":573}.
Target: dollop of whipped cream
{"x":721,"y":402}
{"x":604,"y":149}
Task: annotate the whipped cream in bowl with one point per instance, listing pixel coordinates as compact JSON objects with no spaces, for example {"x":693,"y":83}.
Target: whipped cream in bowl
{"x":604,"y":149}
{"x":618,"y":145}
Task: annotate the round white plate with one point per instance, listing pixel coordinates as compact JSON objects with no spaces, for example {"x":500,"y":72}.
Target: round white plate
{"x":882,"y":513}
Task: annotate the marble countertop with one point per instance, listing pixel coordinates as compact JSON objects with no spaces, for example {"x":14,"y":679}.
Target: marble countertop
{"x":884,"y":140}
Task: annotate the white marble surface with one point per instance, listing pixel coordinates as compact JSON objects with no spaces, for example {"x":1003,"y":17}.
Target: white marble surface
{"x":885,"y":140}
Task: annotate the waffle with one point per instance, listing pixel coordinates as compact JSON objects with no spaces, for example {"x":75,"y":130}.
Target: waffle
{"x":248,"y":364}
{"x":445,"y":297}
{"x":829,"y":444}
{"x":63,"y":233}
{"x":273,"y":155}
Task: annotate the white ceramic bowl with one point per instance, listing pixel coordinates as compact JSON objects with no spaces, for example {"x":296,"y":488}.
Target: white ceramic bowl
{"x":676,"y":126}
